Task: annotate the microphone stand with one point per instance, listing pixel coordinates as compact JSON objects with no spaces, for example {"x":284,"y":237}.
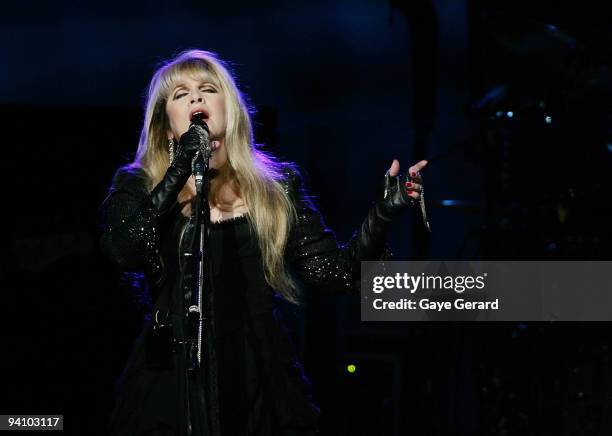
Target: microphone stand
{"x":195,"y":318}
{"x":198,"y":314}
{"x":200,"y":323}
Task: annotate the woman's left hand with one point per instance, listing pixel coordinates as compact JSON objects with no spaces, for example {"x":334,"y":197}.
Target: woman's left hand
{"x":401,"y":192}
{"x":414,"y":180}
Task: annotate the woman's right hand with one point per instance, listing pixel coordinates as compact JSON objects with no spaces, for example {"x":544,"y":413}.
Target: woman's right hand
{"x":164,"y":195}
{"x":188,"y":146}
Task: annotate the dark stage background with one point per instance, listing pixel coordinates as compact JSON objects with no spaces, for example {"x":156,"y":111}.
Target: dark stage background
{"x":510,"y":101}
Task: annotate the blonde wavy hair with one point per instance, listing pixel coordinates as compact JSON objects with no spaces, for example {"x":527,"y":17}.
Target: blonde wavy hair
{"x":254,"y":175}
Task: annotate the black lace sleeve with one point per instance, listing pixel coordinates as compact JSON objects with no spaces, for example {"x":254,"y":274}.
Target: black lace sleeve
{"x":130,"y":226}
{"x":315,"y":255}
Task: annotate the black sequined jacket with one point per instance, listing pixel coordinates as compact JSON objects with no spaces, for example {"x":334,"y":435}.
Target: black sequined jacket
{"x":137,"y":239}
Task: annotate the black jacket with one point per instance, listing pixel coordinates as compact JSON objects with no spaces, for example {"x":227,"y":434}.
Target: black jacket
{"x":137,"y":239}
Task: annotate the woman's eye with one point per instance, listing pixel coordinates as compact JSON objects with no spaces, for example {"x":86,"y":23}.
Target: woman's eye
{"x":182,"y":94}
{"x":209,"y":89}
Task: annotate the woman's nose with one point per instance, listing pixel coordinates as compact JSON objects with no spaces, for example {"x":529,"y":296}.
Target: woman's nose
{"x":196,"y":98}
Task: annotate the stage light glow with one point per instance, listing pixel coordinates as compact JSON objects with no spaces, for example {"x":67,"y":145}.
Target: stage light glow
{"x":450,"y":202}
{"x":351,"y":368}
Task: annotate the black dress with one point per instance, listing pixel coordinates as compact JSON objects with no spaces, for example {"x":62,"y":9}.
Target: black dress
{"x":251,"y":382}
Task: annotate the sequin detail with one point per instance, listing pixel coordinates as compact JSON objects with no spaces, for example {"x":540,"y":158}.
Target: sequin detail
{"x":131,"y":237}
{"x":315,"y":255}
{"x":130,"y":233}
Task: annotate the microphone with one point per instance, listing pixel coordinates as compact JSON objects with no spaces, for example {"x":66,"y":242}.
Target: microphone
{"x":200,"y":161}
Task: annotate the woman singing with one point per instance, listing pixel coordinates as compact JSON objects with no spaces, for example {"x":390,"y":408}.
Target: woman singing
{"x":264,"y":238}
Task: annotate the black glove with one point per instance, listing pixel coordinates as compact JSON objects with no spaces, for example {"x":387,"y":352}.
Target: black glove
{"x":165,"y":193}
{"x":371,"y":237}
{"x":395,"y":197}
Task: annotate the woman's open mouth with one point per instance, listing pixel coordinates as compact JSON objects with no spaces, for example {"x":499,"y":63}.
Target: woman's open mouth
{"x":198,"y":114}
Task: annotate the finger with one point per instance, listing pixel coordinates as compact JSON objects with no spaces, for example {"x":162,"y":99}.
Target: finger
{"x":417,"y":167}
{"x":421,"y":164}
{"x":414,"y":195}
{"x":395,"y":168}
{"x":411,"y":186}
{"x":413,"y":171}
{"x":417,"y":178}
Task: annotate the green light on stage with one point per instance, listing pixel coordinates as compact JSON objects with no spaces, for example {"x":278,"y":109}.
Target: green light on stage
{"x":351,"y":368}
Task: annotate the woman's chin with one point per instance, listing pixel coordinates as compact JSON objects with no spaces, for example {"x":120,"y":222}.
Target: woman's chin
{"x":216,"y":167}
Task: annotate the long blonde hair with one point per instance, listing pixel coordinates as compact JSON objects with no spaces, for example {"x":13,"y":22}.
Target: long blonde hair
{"x":254,"y":175}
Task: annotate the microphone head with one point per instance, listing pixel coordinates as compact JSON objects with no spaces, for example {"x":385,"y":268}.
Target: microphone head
{"x":198,"y":119}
